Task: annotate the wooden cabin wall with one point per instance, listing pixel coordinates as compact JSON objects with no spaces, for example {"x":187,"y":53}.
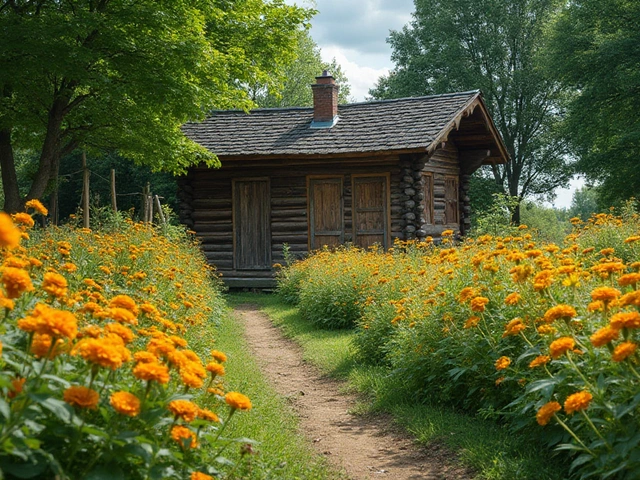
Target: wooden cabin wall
{"x":206,"y":206}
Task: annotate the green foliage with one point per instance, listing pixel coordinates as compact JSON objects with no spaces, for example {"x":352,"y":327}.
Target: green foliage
{"x":549,"y":224}
{"x":298,"y":74}
{"x":496,"y":220}
{"x":128,"y":75}
{"x":594,"y":48}
{"x":481,"y":192}
{"x":459,"y":45}
{"x":585,"y":203}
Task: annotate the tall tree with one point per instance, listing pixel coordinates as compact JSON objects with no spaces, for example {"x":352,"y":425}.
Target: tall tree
{"x":594,"y":49}
{"x":298,"y":74}
{"x":491,"y":45}
{"x":125,"y":75}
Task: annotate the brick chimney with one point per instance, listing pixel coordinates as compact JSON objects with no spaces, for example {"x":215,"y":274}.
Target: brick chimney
{"x":325,"y":101}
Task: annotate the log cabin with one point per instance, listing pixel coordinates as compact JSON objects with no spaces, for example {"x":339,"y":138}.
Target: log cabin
{"x":362,"y":173}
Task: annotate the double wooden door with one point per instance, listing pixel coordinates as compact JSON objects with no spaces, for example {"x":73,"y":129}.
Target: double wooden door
{"x":368,"y":199}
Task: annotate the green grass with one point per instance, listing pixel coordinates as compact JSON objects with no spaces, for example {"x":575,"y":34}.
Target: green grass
{"x":491,"y":450}
{"x":283,"y":453}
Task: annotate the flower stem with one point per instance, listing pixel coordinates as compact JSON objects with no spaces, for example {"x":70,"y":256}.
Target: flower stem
{"x":575,"y":437}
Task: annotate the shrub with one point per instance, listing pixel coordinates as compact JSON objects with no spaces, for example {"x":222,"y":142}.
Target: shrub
{"x":96,"y":374}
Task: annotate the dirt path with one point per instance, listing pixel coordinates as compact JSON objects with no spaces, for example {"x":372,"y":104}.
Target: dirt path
{"x":363,"y":447}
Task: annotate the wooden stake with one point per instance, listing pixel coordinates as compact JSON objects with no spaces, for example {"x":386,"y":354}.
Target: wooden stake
{"x":85,"y":191}
{"x":160,"y":213}
{"x":114,"y":203}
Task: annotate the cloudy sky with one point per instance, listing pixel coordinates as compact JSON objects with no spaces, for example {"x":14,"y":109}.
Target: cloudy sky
{"x":354,"y":32}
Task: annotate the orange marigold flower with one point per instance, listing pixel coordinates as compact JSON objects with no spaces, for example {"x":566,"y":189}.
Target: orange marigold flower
{"x":520,"y":273}
{"x":16,"y":281}
{"x":604,"y":335}
{"x":201,"y":476}
{"x":121,"y":315}
{"x":546,"y":412}
{"x":151,"y":371}
{"x":502,"y":363}
{"x":471,"y":322}
{"x":625,"y":320}
{"x":124,"y":301}
{"x":17,"y":385}
{"x":237,"y":401}
{"x":595,"y":306}
{"x":606,"y":269}
{"x":478,"y":304}
{"x":624,"y":350}
{"x":629,"y":279}
{"x":631,"y":298}
{"x":514,"y":327}
{"x":208,"y":415}
{"x":92,"y":331}
{"x":22,"y":218}
{"x":6,"y":302}
{"x":512,"y":299}
{"x":560,"y":346}
{"x":83,"y":397}
{"x":55,"y":284}
{"x":41,"y":346}
{"x":560,"y":311}
{"x":539,"y":360}
{"x":215,"y":368}
{"x":108,"y":352}
{"x":184,"y":436}
{"x":37,"y":206}
{"x":125,"y":403}
{"x":120,"y":330}
{"x":577,"y":401}
{"x":54,"y":322}
{"x":605,"y":294}
{"x":145,"y":357}
{"x":10,"y":236}
{"x":466,"y":293}
{"x":186,"y":410}
{"x":219,"y":356}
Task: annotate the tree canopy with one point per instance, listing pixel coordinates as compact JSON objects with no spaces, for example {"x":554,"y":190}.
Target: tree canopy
{"x":594,"y":49}
{"x":125,"y":75}
{"x":491,"y":45}
{"x":298,"y":74}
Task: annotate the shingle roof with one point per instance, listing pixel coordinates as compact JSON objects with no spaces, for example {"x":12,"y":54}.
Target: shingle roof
{"x":402,"y":124}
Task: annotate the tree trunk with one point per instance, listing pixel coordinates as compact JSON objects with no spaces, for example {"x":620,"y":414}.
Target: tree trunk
{"x":12,"y":200}
{"x":515,"y":215}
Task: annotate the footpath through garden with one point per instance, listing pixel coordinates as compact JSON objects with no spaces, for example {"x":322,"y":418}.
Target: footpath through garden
{"x":363,"y":447}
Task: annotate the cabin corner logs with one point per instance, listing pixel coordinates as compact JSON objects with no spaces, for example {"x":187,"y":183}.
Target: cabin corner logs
{"x":244,"y":212}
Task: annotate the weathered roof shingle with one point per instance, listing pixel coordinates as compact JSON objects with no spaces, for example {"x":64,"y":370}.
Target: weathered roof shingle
{"x":402,"y":124}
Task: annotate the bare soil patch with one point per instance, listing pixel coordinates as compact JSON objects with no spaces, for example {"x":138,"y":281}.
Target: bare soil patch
{"x":364,"y":447}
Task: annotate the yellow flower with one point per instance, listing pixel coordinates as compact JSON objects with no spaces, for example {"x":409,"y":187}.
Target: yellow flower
{"x":604,"y":336}
{"x":560,"y":311}
{"x":208,"y":415}
{"x":624,"y":350}
{"x":237,"y":401}
{"x":121,"y":315}
{"x":41,"y":346}
{"x":82,"y":397}
{"x":10,"y":236}
{"x":577,"y":402}
{"x":55,"y":284}
{"x":543,"y":280}
{"x":126,"y":302}
{"x":15,"y":281}
{"x":629,"y":279}
{"x":120,"y":330}
{"x":561,"y":346}
{"x":546,"y":412}
{"x":22,"y":218}
{"x":546,"y":330}
{"x":184,"y":409}
{"x":539,"y":360}
{"x":215,"y":368}
{"x":107,"y":352}
{"x":502,"y":363}
{"x":472,"y":322}
{"x":125,"y":403}
{"x":466,"y":293}
{"x":219,"y":356}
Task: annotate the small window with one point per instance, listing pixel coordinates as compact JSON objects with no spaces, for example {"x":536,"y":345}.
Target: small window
{"x":427,"y":178}
{"x":451,"y":210}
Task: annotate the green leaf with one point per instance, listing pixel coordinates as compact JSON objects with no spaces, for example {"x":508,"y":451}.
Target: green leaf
{"x":59,"y":408}
{"x":106,"y":472}
{"x":5,"y":409}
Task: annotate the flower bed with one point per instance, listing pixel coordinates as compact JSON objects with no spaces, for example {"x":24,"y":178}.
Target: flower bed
{"x":97,"y":376}
{"x":539,"y":336}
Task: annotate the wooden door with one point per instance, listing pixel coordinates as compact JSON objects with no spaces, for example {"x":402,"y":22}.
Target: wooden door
{"x":370,"y":210}
{"x":326,"y":219}
{"x":251,"y":223}
{"x":451,"y":209}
